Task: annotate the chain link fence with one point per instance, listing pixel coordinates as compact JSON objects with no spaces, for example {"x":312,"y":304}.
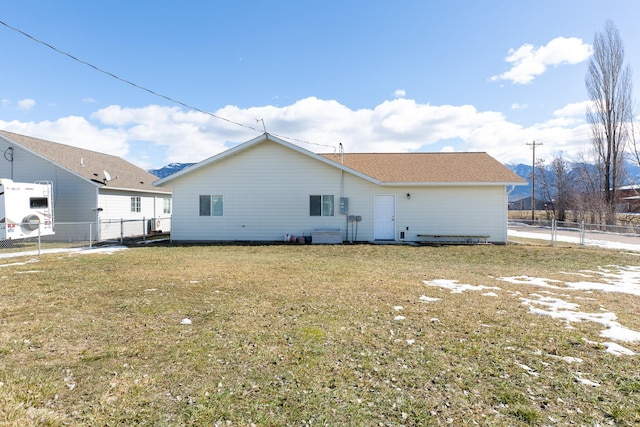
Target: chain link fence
{"x":630,"y":229}
{"x":69,"y":235}
{"x":627,"y":235}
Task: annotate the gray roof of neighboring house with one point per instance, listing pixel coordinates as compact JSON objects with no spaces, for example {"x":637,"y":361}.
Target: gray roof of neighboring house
{"x":90,"y":165}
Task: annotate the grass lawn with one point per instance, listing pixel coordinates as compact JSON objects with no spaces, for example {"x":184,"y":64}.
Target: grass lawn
{"x":309,"y":335}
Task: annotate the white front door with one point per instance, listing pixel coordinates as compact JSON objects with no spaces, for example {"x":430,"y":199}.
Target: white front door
{"x":384,"y":221}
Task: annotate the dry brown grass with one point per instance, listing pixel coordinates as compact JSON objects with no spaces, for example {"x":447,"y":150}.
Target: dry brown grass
{"x":303,"y":335}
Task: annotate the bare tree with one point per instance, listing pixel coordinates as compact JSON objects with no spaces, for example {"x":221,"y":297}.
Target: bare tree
{"x":609,"y":86}
{"x":589,"y":203}
{"x":558,"y":185}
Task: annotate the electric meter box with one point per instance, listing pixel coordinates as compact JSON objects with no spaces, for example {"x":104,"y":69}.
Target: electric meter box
{"x":344,"y":205}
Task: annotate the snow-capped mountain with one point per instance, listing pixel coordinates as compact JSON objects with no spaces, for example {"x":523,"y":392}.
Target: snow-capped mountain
{"x":169,"y":169}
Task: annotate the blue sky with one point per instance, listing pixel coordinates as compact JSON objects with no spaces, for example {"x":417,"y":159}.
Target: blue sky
{"x":376,"y":76}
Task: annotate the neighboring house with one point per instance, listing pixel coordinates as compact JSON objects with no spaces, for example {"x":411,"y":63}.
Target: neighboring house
{"x":628,"y":199}
{"x":266,"y":188}
{"x":88,"y":187}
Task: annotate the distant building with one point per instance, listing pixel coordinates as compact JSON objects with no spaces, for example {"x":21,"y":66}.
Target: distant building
{"x":88,"y":187}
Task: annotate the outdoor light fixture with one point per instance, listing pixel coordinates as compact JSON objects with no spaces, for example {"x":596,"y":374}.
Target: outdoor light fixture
{"x":408,"y":196}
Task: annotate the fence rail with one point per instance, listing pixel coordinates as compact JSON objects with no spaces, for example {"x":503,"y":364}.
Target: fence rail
{"x":630,"y":229}
{"x":86,"y":234}
{"x":621,"y":236}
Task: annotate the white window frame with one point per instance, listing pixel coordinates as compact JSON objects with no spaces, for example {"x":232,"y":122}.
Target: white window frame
{"x":215,"y":205}
{"x":327,"y":205}
{"x":136,"y":204}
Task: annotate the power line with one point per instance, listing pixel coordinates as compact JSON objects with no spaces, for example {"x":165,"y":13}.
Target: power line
{"x":152,"y":92}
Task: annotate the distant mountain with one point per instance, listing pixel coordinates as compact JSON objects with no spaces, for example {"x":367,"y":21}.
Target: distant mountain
{"x":524,"y":171}
{"x":520,"y":191}
{"x":169,"y":169}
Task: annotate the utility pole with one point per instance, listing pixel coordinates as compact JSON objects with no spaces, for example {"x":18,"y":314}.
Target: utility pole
{"x":533,"y":146}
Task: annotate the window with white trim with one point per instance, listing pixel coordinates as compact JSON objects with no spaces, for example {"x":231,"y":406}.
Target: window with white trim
{"x":321,"y":205}
{"x":211,"y":205}
{"x":135,"y":204}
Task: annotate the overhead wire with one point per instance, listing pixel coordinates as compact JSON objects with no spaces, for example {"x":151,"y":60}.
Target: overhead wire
{"x":152,"y":92}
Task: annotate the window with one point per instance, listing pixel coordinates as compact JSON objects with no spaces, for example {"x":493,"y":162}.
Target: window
{"x":38,"y":202}
{"x":321,"y":205}
{"x":166,"y":206}
{"x":135,"y":204}
{"x":211,"y":205}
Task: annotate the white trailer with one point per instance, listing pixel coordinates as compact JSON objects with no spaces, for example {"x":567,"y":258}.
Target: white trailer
{"x":26,"y":210}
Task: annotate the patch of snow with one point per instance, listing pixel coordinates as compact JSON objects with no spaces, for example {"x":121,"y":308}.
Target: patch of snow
{"x":185,"y":321}
{"x":571,"y":239}
{"x":425,"y":298}
{"x":398,"y":307}
{"x":86,"y":250}
{"x":398,"y":318}
{"x":32,"y":260}
{"x":625,"y":280}
{"x":559,"y":309}
{"x":455,"y":287}
{"x":554,"y":304}
{"x":618,"y":332}
{"x":617,"y":349}
{"x":489,"y":294}
{"x":578,"y":377}
{"x":529,"y":370}
{"x":534,"y":281}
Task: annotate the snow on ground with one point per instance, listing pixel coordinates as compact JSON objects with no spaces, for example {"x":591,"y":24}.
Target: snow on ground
{"x":86,"y":250}
{"x":555,"y":303}
{"x":608,"y":244}
{"x":457,"y":288}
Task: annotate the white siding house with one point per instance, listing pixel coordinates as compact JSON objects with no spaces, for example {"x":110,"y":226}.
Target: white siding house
{"x":266,"y":188}
{"x":88,"y":187}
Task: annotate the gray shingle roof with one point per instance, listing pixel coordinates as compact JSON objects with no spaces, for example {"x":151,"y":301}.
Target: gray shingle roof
{"x":90,"y":164}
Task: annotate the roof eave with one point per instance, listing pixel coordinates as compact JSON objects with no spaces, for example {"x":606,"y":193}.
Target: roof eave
{"x":449,"y":184}
{"x":246,"y":145}
{"x":136,"y":190}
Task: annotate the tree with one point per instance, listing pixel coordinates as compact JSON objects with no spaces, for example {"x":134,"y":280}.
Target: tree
{"x":558,"y":185}
{"x":609,"y":86}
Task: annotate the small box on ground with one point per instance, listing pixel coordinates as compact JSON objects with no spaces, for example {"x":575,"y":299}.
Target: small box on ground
{"x":327,"y":236}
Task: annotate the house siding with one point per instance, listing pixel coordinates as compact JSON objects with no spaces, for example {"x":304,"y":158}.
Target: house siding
{"x":117,"y":213}
{"x":473,"y":210}
{"x":266,"y":195}
{"x":76,"y":200}
{"x":266,"y":191}
{"x":73,"y":197}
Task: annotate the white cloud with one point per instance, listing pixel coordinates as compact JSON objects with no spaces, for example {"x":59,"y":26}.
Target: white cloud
{"x":528,"y":61}
{"x":519,"y":106}
{"x":26,"y":104}
{"x":75,"y":131}
{"x":573,"y":110}
{"x":399,"y":93}
{"x":153,"y":136}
